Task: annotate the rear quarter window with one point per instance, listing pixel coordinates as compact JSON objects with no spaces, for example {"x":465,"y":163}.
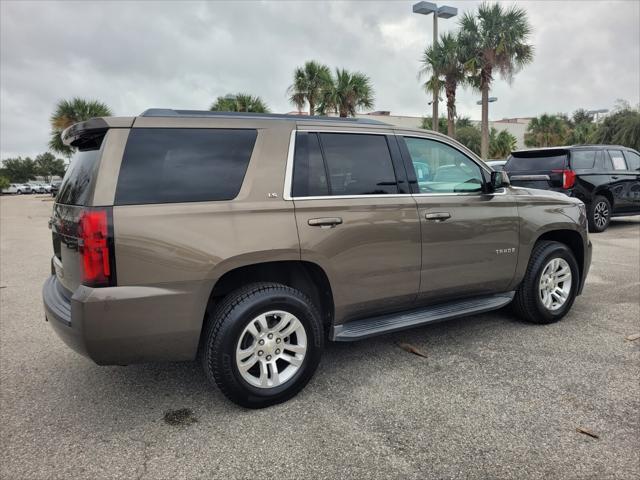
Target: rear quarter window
{"x":175,"y":165}
{"x":535,"y":161}
{"x":583,"y":159}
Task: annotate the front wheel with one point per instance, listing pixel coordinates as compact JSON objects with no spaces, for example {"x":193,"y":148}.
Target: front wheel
{"x":550,"y":284}
{"x":262,"y":344}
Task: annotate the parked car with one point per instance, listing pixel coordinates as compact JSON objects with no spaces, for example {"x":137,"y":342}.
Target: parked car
{"x":497,"y":165}
{"x":53,"y":189}
{"x":605,"y":177}
{"x":12,"y":188}
{"x":38,"y":188}
{"x":246,"y":240}
{"x":23,"y":188}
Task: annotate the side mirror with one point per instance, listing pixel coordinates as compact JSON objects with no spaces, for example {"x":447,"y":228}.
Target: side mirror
{"x":499,"y":180}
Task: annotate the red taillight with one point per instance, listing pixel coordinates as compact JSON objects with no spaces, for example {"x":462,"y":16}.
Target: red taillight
{"x":94,"y":248}
{"x":568,"y":178}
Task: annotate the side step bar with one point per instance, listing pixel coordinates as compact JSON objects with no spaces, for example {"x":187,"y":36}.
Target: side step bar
{"x":369,"y":327}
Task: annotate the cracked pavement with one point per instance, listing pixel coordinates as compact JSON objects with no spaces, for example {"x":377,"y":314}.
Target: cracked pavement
{"x":494,"y":397}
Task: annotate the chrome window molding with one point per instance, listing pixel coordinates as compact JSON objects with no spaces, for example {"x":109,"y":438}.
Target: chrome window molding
{"x":286,"y":195}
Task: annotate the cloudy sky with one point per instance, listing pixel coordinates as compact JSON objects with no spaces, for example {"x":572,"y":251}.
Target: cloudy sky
{"x":136,"y":55}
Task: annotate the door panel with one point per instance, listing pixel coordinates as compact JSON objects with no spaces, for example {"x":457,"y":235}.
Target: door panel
{"x":473,"y":251}
{"x":372,"y":257}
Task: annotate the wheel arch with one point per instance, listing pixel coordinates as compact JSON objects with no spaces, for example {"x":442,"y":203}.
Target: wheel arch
{"x":308,"y":277}
{"x":606,"y":193}
{"x":570,"y":238}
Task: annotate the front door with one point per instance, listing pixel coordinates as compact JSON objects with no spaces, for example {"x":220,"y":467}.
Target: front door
{"x":469,"y":237}
{"x":357,"y":220}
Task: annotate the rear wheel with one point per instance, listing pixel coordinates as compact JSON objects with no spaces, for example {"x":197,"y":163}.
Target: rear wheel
{"x":550,"y":284}
{"x":599,"y":214}
{"x":262,"y":344}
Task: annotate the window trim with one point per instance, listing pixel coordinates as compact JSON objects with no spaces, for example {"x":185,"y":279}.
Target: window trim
{"x":288,"y":180}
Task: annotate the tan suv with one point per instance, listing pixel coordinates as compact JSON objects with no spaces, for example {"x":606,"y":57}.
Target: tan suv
{"x":246,"y":240}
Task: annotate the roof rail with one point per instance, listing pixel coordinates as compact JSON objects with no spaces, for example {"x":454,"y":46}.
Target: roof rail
{"x":168,"y":112}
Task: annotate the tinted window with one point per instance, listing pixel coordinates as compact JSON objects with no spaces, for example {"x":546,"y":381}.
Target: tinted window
{"x":162,"y":165}
{"x":633,"y":160}
{"x":583,"y":159}
{"x":309,"y":175}
{"x":617,"y":160}
{"x":525,"y":161}
{"x":358,"y":164}
{"x":77,"y":184}
{"x":440,"y":168}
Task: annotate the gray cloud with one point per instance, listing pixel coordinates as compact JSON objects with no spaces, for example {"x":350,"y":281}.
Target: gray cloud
{"x":136,"y":55}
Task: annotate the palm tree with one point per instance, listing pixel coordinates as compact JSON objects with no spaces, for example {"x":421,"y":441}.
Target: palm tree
{"x":444,"y":59}
{"x":72,"y":111}
{"x":346,"y":93}
{"x":546,"y":131}
{"x":501,"y":144}
{"x":495,"y":40}
{"x":240,"y":102}
{"x":308,"y":84}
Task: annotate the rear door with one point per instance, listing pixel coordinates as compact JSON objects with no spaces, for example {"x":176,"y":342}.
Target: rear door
{"x":356,"y":218}
{"x":622,"y":183}
{"x":541,"y":169}
{"x":469,"y":237}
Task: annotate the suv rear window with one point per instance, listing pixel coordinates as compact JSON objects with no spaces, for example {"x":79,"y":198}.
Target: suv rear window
{"x":174,"y":165}
{"x":530,"y":161}
{"x":77,"y":185}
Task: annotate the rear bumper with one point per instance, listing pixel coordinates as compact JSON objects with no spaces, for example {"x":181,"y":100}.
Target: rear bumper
{"x":123,"y":325}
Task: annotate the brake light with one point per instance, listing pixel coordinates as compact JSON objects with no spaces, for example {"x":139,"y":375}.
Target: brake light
{"x":568,"y":178}
{"x":94,"y":247}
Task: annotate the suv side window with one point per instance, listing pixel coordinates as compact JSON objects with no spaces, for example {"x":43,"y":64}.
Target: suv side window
{"x":583,"y":159}
{"x":618,"y":160}
{"x":440,"y":168}
{"x":173,"y":165}
{"x":633,"y":160}
{"x":358,"y":164}
{"x":309,"y":174}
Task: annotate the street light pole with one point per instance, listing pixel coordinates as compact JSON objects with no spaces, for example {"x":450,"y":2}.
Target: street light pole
{"x":426,"y":8}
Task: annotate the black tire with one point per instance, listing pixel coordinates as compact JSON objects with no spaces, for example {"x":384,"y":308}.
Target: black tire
{"x":599,"y":214}
{"x":226,"y":323}
{"x":527,"y":302}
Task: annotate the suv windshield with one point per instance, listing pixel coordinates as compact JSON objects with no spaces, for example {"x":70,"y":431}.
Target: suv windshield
{"x":528,"y":161}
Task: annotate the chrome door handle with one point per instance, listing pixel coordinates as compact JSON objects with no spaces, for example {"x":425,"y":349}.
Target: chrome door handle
{"x":437,"y":216}
{"x":615,"y":177}
{"x":325,"y":221}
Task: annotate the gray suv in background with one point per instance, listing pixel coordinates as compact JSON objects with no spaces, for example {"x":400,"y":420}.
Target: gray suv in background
{"x":248,"y":240}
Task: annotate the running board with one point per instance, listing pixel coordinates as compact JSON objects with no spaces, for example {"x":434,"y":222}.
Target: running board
{"x":369,"y":327}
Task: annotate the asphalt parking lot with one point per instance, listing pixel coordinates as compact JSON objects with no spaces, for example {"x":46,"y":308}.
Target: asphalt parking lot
{"x":494,"y":397}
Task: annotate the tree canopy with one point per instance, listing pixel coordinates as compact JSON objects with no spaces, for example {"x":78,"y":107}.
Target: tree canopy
{"x":72,"y":111}
{"x":239,"y":102}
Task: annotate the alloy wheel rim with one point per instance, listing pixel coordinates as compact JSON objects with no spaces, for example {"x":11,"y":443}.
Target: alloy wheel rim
{"x":600,"y":214}
{"x":271,"y":349}
{"x":555,"y":284}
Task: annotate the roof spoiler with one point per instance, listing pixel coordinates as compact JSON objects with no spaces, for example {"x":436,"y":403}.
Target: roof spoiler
{"x":88,"y":128}
{"x":92,"y":128}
